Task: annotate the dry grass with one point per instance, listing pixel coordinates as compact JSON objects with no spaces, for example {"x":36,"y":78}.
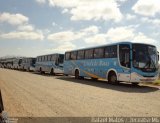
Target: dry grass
{"x":157,"y":82}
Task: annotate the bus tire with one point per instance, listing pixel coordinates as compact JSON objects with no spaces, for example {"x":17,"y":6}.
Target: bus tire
{"x":40,"y":70}
{"x":112,"y":78}
{"x":95,"y":79}
{"x":52,"y":72}
{"x":76,"y":74}
{"x":28,"y":69}
{"x":135,"y":83}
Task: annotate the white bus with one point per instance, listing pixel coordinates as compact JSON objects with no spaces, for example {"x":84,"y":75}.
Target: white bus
{"x":17,"y":63}
{"x":51,"y":63}
{"x":124,"y":61}
{"x":28,"y":64}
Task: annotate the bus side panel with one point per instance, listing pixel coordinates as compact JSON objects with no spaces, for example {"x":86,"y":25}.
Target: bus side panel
{"x":96,"y":68}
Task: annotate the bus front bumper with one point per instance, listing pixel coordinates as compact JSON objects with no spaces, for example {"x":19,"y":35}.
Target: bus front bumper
{"x":138,"y":78}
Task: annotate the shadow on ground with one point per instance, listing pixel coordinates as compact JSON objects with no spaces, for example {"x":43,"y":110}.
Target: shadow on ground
{"x":123,"y":87}
{"x":46,"y":74}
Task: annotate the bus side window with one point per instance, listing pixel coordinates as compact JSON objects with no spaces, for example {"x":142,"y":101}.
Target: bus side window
{"x":80,"y":54}
{"x":67,"y":56}
{"x":111,"y":51}
{"x":49,"y":58}
{"x":89,"y":54}
{"x":46,"y":58}
{"x":99,"y":53}
{"x":74,"y":55}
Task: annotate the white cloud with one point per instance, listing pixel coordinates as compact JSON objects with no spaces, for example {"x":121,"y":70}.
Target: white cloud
{"x":62,"y":48}
{"x":121,"y":0}
{"x":97,"y":10}
{"x":41,"y":1}
{"x":64,"y":3}
{"x":92,"y":29}
{"x":130,"y":16}
{"x":128,"y":34}
{"x":141,"y":38}
{"x":13,"y":19}
{"x":90,"y":10}
{"x":54,"y":24}
{"x":155,"y":22}
{"x":19,"y":48}
{"x":63,"y":36}
{"x":120,"y":34}
{"x":97,"y":39}
{"x":26,"y":27}
{"x":23,"y":35}
{"x":73,"y":35}
{"x":65,"y":11}
{"x":147,"y":7}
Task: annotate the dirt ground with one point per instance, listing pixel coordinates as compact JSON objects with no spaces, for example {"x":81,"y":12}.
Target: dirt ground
{"x":32,"y":95}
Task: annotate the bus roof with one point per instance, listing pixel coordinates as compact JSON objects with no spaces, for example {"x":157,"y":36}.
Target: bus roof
{"x":124,"y":42}
{"x":29,"y":58}
{"x":51,"y":54}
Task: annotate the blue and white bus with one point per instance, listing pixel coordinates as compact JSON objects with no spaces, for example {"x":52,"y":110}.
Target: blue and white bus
{"x":17,"y":63}
{"x":124,"y":61}
{"x":28,"y":64}
{"x":52,"y":63}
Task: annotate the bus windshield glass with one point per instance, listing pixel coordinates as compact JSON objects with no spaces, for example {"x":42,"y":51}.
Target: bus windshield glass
{"x":145,"y":57}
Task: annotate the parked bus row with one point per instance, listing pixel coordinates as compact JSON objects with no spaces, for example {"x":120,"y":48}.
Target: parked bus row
{"x":124,"y":61}
{"x":51,"y":63}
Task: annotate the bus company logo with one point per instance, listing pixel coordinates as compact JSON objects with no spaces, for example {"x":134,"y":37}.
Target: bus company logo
{"x":95,"y":63}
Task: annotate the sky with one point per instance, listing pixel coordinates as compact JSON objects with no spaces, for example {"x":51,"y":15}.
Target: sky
{"x":36,"y":27}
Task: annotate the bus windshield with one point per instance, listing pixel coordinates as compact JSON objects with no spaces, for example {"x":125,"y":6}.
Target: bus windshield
{"x":145,"y":57}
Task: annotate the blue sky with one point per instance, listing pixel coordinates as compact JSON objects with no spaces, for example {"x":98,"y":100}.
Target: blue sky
{"x":36,"y":27}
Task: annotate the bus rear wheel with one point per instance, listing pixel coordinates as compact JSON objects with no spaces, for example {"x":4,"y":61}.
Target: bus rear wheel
{"x":112,"y":78}
{"x":40,"y":70}
{"x":77,"y":74}
{"x":95,"y":79}
{"x":28,"y":69}
{"x":135,"y":83}
{"x":52,"y":72}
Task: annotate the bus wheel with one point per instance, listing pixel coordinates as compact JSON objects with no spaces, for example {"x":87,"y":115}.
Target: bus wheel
{"x":112,"y":78}
{"x":94,"y":78}
{"x":40,"y":70}
{"x":52,"y":72}
{"x":76,"y":74}
{"x":135,"y":83}
{"x":28,"y":69}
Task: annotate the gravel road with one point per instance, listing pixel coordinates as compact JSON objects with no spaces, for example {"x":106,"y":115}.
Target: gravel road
{"x":32,"y":95}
